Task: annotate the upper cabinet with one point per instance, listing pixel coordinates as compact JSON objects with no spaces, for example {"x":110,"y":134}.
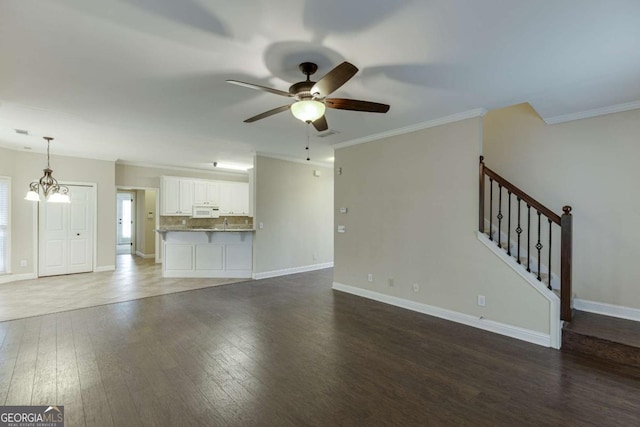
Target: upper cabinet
{"x":178,"y":195}
{"x":234,"y":198}
{"x":206,"y":193}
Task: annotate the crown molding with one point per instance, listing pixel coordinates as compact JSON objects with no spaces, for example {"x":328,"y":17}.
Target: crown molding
{"x":294,"y":160}
{"x":478,"y":112}
{"x":619,"y":108}
{"x":180,"y":168}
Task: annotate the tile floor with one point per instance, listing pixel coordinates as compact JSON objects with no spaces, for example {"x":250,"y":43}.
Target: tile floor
{"x":134,"y":278}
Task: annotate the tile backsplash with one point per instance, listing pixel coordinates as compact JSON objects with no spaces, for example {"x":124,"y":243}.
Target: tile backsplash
{"x":176,"y":221}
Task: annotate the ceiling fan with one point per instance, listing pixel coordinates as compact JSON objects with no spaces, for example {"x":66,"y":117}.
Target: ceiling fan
{"x":311,"y":97}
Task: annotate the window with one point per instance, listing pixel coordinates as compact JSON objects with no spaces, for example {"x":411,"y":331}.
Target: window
{"x":5,"y":211}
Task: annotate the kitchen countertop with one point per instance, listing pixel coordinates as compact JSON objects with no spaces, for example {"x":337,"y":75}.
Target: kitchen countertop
{"x":221,"y":230}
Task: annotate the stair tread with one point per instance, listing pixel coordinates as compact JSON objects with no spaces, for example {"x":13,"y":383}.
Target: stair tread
{"x":612,"y":329}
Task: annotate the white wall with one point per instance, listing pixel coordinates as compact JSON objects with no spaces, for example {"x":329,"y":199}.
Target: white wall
{"x":296,"y":209}
{"x":413,"y":206}
{"x":592,"y":165}
{"x":25,"y":167}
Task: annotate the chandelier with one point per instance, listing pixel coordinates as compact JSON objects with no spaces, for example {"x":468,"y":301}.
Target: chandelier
{"x":52,"y":191}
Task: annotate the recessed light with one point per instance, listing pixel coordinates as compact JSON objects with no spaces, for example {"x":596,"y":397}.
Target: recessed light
{"x":22,"y":131}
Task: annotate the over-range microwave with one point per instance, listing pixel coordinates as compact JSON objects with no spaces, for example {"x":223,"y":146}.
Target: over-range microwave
{"x":205,"y":211}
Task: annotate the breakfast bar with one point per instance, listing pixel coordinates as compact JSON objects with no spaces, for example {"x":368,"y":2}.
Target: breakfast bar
{"x":207,"y":252}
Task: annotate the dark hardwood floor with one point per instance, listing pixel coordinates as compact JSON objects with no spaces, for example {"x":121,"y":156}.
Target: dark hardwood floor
{"x":603,"y":337}
{"x":290,"y":351}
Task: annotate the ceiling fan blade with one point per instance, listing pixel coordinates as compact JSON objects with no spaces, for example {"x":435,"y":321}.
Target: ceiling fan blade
{"x":261,"y":88}
{"x":321,"y":124}
{"x":268,"y":113}
{"x":355,"y":105}
{"x":334,"y":79}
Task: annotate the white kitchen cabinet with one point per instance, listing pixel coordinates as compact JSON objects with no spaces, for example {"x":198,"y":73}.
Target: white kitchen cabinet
{"x":206,"y":193}
{"x":177,"y":196}
{"x":234,"y":198}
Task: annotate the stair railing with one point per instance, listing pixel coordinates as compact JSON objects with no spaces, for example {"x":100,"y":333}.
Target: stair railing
{"x":564,"y":221}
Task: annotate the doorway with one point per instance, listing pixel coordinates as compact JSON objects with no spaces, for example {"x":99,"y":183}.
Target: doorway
{"x":66,"y":233}
{"x":125,"y":228}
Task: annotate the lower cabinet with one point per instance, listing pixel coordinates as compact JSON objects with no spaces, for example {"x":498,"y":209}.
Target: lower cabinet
{"x":208,"y":254}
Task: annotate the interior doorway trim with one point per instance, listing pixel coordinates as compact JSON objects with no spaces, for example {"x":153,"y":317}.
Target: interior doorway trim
{"x":158,"y":246}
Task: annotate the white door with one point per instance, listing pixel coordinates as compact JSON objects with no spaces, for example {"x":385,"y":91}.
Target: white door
{"x":66,"y":234}
{"x":125,"y":219}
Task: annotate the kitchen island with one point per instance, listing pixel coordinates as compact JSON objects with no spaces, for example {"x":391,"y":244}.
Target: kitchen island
{"x":207,"y":252}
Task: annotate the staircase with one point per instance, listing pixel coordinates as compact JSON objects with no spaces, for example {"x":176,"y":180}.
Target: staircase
{"x":522,"y":228}
{"x":523,"y":219}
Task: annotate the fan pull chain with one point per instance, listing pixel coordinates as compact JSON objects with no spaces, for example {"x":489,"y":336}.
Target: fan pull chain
{"x":308,"y":138}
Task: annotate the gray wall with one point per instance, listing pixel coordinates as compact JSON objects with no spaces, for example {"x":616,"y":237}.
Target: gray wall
{"x":25,"y":167}
{"x":296,"y":209}
{"x":592,"y":165}
{"x":413,"y":206}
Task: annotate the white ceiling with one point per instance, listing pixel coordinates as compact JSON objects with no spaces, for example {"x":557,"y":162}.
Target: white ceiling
{"x":144,"y":80}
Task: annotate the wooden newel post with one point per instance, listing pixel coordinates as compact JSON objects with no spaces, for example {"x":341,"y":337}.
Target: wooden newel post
{"x":566,"y":249}
{"x":481,"y":198}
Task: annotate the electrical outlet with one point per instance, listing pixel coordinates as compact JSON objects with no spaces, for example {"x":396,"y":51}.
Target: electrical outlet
{"x":391,"y":283}
{"x":369,"y":277}
{"x":482,"y":300}
{"x":260,"y":225}
{"x":315,"y":256}
{"x":184,"y":222}
{"x":416,"y":287}
{"x":23,"y":263}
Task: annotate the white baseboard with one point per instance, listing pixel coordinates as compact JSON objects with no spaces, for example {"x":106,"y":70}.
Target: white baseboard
{"x":145,"y":256}
{"x":527,"y":335}
{"x":102,"y":268}
{"x":8,"y":278}
{"x":293,"y":270}
{"x":620,"y":311}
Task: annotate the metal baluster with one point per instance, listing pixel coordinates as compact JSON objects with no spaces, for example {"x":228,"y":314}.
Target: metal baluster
{"x":539,"y":248}
{"x":528,"y":238}
{"x":499,"y":214}
{"x":519,"y":230}
{"x":490,"y":208}
{"x":509,"y":227}
{"x":550,"y":288}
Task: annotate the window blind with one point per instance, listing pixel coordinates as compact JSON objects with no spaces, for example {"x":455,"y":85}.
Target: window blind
{"x":4,"y":224}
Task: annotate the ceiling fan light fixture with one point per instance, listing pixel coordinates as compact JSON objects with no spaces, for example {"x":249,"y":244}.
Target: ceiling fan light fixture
{"x":308,"y":110}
